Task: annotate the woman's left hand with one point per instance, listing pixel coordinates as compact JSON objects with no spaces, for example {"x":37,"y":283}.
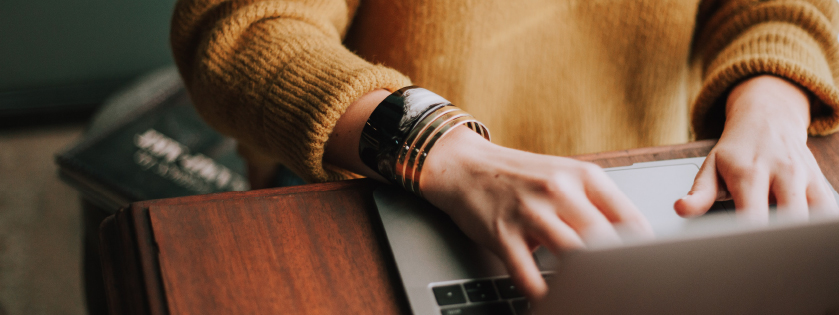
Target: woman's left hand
{"x":762,"y":156}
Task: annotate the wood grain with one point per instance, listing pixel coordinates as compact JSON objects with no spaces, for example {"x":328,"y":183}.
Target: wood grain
{"x":628,"y":157}
{"x":313,"y":249}
{"x":302,"y":253}
{"x":826,"y":151}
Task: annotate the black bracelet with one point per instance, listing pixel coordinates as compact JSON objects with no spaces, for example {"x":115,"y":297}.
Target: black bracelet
{"x":389,"y":124}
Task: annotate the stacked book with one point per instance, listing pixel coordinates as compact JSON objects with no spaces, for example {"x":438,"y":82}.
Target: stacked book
{"x":148,"y":142}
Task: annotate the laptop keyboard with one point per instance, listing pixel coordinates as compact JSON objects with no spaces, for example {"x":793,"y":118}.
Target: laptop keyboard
{"x":493,"y":296}
{"x":496,"y":296}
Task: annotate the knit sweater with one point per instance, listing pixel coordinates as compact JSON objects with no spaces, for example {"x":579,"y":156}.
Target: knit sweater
{"x":559,"y":77}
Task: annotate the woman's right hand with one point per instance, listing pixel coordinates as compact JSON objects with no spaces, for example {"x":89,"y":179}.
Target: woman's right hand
{"x":507,"y":200}
{"x":513,"y":201}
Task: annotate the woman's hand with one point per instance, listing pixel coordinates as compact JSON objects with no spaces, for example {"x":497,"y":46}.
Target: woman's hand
{"x":762,"y":155}
{"x":511,"y":201}
{"x":507,"y":200}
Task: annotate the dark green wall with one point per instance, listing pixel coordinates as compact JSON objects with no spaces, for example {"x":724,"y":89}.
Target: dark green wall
{"x":46,"y":44}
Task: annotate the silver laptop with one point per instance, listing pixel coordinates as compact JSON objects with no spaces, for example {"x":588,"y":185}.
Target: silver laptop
{"x":694,"y":266}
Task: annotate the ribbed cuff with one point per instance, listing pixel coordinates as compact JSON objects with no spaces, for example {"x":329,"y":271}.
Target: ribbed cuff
{"x":777,"y":48}
{"x":275,"y":76}
{"x":310,"y":95}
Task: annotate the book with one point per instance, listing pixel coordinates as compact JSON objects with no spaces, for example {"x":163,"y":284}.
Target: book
{"x":148,"y":142}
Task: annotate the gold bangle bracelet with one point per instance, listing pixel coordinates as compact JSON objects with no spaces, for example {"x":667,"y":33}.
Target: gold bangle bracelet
{"x":410,"y":141}
{"x":437,"y":136}
{"x":410,"y":155}
{"x":411,"y":172}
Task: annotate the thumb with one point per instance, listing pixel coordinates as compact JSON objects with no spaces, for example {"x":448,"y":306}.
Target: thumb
{"x":703,"y":193}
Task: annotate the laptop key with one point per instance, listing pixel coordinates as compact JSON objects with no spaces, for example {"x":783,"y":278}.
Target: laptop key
{"x":522,"y":307}
{"x":507,"y":289}
{"x":494,"y":308}
{"x":448,"y":295}
{"x":480,"y":291}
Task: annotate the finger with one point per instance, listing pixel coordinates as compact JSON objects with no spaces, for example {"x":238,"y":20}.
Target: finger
{"x":616,"y":206}
{"x":791,"y":197}
{"x":821,"y":198}
{"x":705,"y":191}
{"x":554,"y":234}
{"x":591,"y":225}
{"x":751,"y":196}
{"x":523,"y":270}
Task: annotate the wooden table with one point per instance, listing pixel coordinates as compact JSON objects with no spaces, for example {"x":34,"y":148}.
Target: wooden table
{"x":313,"y":249}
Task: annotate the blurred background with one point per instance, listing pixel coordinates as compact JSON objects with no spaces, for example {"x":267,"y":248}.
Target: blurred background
{"x":59,"y":60}
{"x":62,"y":58}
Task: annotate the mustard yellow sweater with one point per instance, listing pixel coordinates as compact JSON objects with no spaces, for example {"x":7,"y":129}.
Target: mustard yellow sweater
{"x":558,"y":77}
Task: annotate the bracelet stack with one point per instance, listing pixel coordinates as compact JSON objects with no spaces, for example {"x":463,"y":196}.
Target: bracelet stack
{"x":402,"y":130}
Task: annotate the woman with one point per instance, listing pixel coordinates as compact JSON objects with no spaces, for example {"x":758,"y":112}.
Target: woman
{"x":296,"y":81}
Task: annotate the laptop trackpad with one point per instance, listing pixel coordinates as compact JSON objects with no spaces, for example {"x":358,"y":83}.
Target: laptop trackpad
{"x":655,"y":189}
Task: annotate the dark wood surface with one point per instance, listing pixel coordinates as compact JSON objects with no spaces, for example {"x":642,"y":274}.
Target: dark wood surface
{"x":312,"y":249}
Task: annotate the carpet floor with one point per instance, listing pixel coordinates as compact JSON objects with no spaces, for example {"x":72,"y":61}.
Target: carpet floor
{"x":40,"y":225}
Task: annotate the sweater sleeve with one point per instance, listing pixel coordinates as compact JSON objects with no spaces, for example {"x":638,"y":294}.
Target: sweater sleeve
{"x":792,"y":39}
{"x":274,"y":74}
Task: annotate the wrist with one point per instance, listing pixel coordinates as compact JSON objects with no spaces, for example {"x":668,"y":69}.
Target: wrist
{"x":452,"y":158}
{"x":403,"y":129}
{"x":342,"y":147}
{"x":771,"y":100}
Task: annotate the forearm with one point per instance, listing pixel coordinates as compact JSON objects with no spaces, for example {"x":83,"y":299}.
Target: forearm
{"x":794,"y":40}
{"x":342,"y":147}
{"x":274,"y":75}
{"x":770,"y":98}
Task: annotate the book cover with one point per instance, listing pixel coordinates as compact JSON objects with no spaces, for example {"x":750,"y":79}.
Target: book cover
{"x":158,"y":150}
